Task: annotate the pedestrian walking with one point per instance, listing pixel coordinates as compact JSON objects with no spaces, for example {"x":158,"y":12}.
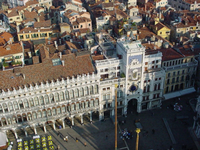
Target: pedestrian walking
{"x":76,"y":139}
{"x":153,"y":131}
{"x":58,"y":133}
{"x":85,"y":144}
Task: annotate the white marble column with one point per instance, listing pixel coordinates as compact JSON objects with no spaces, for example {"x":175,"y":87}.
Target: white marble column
{"x":45,"y":130}
{"x":81,"y":119}
{"x":16,"y":136}
{"x":63,"y":121}
{"x":35,"y":130}
{"x":54,"y":126}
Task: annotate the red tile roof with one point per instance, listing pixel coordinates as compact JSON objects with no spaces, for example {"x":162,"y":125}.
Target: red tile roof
{"x":42,"y":72}
{"x":170,"y":54}
{"x":10,"y":49}
{"x":4,"y":38}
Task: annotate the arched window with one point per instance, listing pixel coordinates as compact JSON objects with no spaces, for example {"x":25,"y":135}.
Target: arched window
{"x":91,"y":90}
{"x":46,"y":98}
{"x":5,"y":107}
{"x":77,"y":106}
{"x":29,"y":116}
{"x":34,"y":115}
{"x":81,"y":92}
{"x":63,"y":109}
{"x":91,"y":103}
{"x":36,"y":101}
{"x":21,"y":105}
{"x":44,"y":113}
{"x":49,"y":112}
{"x":72,"y":107}
{"x":16,"y":105}
{"x":39,"y":114}
{"x":76,"y":93}
{"x":95,"y":89}
{"x":53,"y":111}
{"x":83,"y":105}
{"x":96,"y":102}
{"x":31,"y":102}
{"x":41,"y":100}
{"x":68,"y":108}
{"x":62,"y":96}
{"x":10,"y":106}
{"x":56,"y":97}
{"x":14,"y":120}
{"x":86,"y":104}
{"x":52,"y":98}
{"x":1,"y":109}
{"x":9,"y":120}
{"x":86,"y":91}
{"x":67,"y":94}
{"x":72,"y":93}
{"x":58,"y":110}
{"x":26,"y":104}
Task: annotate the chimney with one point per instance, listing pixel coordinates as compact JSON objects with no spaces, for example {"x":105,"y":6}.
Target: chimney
{"x":56,"y":45}
{"x":63,"y":62}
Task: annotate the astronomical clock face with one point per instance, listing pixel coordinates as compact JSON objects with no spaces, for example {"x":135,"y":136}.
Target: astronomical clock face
{"x":133,"y":88}
{"x":134,"y":68}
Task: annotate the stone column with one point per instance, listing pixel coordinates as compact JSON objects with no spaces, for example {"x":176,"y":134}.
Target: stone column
{"x":91,"y":116}
{"x":81,"y":119}
{"x":16,"y":136}
{"x":54,"y":126}
{"x":26,"y":134}
{"x":35,"y":130}
{"x":72,"y":121}
{"x":63,"y":121}
{"x":45,"y":130}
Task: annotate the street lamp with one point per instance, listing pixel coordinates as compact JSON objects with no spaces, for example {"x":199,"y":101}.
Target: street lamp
{"x":137,"y":139}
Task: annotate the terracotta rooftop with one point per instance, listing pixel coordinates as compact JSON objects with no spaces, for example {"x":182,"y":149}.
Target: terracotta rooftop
{"x":10,"y":49}
{"x":30,"y":29}
{"x":45,"y":24}
{"x":170,"y":54}
{"x":30,"y":15}
{"x":4,"y":38}
{"x":46,"y":71}
{"x":31,"y":2}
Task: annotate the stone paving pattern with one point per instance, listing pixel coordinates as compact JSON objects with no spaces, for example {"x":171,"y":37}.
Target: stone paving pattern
{"x":95,"y":134}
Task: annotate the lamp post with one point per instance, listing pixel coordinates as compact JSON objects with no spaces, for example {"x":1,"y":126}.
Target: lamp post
{"x":137,"y":139}
{"x":116,"y":117}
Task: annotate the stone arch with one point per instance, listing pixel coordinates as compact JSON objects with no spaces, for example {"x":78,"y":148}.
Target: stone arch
{"x":3,"y":120}
{"x":56,"y":96}
{"x":5,"y":107}
{"x":44,"y":113}
{"x":68,"y":107}
{"x":67,"y":94}
{"x":16,"y":106}
{"x":91,"y":89}
{"x":92,"y":103}
{"x":46,"y":99}
{"x":9,"y":120}
{"x":31,"y":102}
{"x":81,"y":91}
{"x":82,"y":104}
{"x":19,"y":118}
{"x":87,"y":104}
{"x":71,"y":93}
{"x":72,"y":107}
{"x":21,"y":104}
{"x":77,"y":106}
{"x":63,"y":109}
{"x":96,"y":89}
{"x":14,"y":119}
{"x":36,"y":100}
{"x":62,"y":98}
{"x":29,"y":116}
{"x":132,"y":105}
{"x":10,"y":106}
{"x":24,"y":117}
{"x":54,"y":111}
{"x":26,"y":104}
{"x":49,"y":113}
{"x":86,"y":90}
{"x":34,"y":115}
{"x":76,"y":92}
{"x":96,"y":103}
{"x":39,"y":114}
{"x":41,"y":98}
{"x":58,"y":110}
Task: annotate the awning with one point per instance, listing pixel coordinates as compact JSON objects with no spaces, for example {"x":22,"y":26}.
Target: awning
{"x":179,"y":93}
